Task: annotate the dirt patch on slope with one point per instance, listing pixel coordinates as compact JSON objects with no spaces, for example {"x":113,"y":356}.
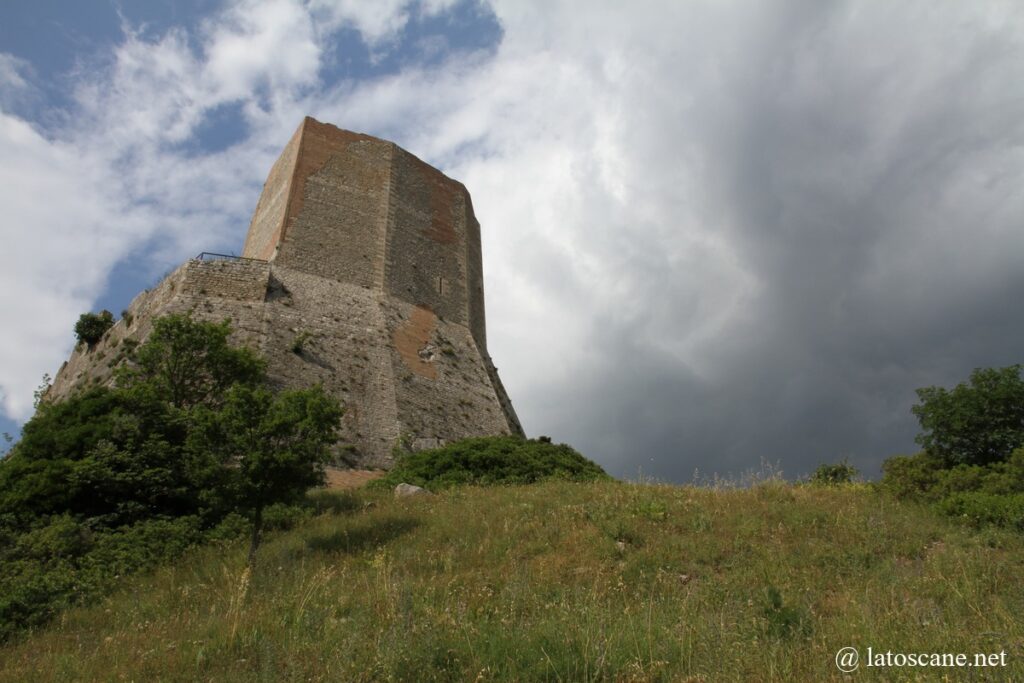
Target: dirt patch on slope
{"x":350,"y":479}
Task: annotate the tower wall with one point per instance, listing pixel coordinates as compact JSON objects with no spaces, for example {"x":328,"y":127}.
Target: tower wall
{"x":362,"y":210}
{"x":427,"y":237}
{"x":269,"y":217}
{"x":475,"y":278}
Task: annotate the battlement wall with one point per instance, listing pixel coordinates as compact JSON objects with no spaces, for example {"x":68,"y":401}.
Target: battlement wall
{"x":243,"y":280}
{"x":212,"y":290}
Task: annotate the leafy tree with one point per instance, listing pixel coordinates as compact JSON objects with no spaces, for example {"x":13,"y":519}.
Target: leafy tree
{"x":272,"y":448}
{"x":125,"y":454}
{"x":976,"y":423}
{"x":91,"y":327}
{"x":102,"y":455}
{"x":39,"y":395}
{"x":68,"y":429}
{"x":188,"y":363}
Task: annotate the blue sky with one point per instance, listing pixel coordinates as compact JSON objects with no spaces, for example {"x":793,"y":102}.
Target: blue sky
{"x":714,"y":233}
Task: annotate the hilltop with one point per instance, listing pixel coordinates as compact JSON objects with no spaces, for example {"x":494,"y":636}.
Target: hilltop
{"x":561,"y":581}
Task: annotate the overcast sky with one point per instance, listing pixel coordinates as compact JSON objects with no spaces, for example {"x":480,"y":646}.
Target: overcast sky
{"x":715,"y":233}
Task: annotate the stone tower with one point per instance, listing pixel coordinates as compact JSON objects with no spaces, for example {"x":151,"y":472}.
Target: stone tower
{"x":362,"y":271}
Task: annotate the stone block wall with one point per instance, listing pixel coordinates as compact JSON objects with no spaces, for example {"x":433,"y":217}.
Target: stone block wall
{"x":243,"y":280}
{"x":337,"y":230}
{"x":271,"y":210}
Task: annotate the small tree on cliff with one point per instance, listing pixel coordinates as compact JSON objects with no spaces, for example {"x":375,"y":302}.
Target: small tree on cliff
{"x":91,"y":327}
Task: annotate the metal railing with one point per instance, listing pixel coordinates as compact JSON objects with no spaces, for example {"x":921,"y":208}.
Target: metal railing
{"x":211,"y":256}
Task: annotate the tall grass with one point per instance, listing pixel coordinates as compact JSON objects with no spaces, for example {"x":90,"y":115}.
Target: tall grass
{"x":562,"y":582}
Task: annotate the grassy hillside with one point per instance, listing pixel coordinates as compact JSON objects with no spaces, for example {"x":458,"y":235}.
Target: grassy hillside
{"x":562,"y":581}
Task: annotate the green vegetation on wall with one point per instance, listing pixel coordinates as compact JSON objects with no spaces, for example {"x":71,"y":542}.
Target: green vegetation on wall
{"x":91,"y":327}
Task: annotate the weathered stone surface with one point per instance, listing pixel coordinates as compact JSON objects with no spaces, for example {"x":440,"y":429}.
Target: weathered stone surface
{"x":404,"y":490}
{"x":370,"y":258}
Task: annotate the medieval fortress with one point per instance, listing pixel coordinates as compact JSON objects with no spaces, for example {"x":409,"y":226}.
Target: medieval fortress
{"x":361,"y":271}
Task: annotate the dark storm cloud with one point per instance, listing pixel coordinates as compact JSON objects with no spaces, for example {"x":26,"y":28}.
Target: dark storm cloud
{"x":868,"y":160}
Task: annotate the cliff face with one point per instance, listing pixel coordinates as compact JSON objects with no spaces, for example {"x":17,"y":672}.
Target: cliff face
{"x":363,"y":273}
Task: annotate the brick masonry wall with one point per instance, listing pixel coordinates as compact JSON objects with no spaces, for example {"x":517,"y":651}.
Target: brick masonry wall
{"x":338,"y":207}
{"x":426,"y":245}
{"x":269,"y":218}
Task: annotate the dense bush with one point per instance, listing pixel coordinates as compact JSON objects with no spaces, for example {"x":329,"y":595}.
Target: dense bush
{"x":980,"y":494}
{"x":63,"y":560}
{"x":492,"y":460}
{"x":979,"y":509}
{"x":91,"y":327}
{"x":923,"y":477}
{"x":911,"y":476}
{"x":834,"y":474}
{"x":103,"y":455}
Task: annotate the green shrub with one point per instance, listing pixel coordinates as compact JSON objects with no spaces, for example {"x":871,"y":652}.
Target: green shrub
{"x":911,"y":476}
{"x":491,"y":460}
{"x":924,"y":477}
{"x":281,"y":516}
{"x":833,"y":475}
{"x":989,"y":495}
{"x":101,"y":455}
{"x":299,"y":343}
{"x":91,"y":327}
{"x":982,"y":509}
{"x":62,"y":562}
